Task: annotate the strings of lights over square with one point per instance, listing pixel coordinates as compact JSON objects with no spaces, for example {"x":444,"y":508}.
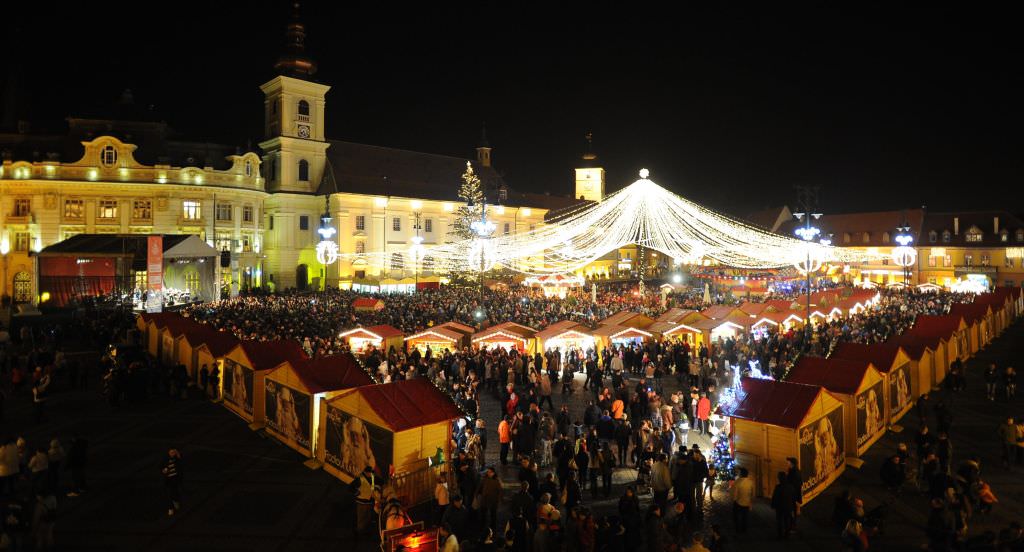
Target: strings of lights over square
{"x":643,"y":214}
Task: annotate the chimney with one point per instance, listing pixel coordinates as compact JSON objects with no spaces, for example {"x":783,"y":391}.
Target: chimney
{"x":995,"y":225}
{"x":956,"y":226}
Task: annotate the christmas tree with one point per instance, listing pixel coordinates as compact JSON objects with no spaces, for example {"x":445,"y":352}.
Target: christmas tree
{"x":721,"y":457}
{"x":471,"y":191}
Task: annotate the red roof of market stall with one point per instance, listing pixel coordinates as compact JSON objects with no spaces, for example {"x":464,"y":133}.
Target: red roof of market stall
{"x":332,"y":373}
{"x":914,"y":345}
{"x":881,"y":355}
{"x":409,"y":403}
{"x":265,"y":355}
{"x":780,"y":403}
{"x":942,"y":326}
{"x":838,"y":376}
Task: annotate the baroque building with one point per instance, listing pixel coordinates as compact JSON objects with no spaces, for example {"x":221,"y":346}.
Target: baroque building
{"x":122,"y":170}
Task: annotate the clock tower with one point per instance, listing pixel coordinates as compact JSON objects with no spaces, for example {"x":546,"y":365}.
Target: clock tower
{"x":294,"y":148}
{"x":589,"y":175}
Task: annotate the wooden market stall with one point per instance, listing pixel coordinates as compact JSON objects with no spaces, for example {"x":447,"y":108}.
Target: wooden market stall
{"x":771,"y":421}
{"x":952,"y":331}
{"x":382,"y":338}
{"x":673,"y":324}
{"x":778,"y":320}
{"x":244,"y":370}
{"x":153,"y":324}
{"x":171,"y":336}
{"x":294,"y":391}
{"x":367,"y":304}
{"x":209,"y":347}
{"x":894,"y":363}
{"x":507,"y":336}
{"x":399,"y":429}
{"x":921,"y":352}
{"x":564,"y":336}
{"x":859,"y":386}
{"x":977,"y":317}
{"x":450,"y":335}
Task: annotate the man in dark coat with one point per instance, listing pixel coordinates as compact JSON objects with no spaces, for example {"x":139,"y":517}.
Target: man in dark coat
{"x":784,"y":500}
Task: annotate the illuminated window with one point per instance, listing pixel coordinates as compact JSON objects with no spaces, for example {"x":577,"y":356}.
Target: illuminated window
{"x":360,"y":222}
{"x":191,"y":209}
{"x":223,"y":212}
{"x":22,"y":207}
{"x":360,"y":247}
{"x":74,"y":209}
{"x":945,"y":236}
{"x":247,"y":213}
{"x":142,"y":209}
{"x":303,"y":170}
{"x":246,"y":243}
{"x":867,"y":237}
{"x":985,"y":259}
{"x":397,"y":261}
{"x":968,"y":260}
{"x":1004,"y":236}
{"x":223,"y":241}
{"x":846,"y":237}
{"x":885,"y":237}
{"x":947,"y":261}
{"x":108,"y":156}
{"x":141,"y":280}
{"x":973,"y":235}
{"x":1008,"y":262}
{"x":21,"y":241}
{"x":396,"y":224}
{"x":428,"y":226}
{"x":107,"y":209}
{"x":932,"y":262}
{"x":303,"y":222}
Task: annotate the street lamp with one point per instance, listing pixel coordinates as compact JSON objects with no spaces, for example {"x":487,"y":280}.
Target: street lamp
{"x":904,"y":255}
{"x":810,"y":262}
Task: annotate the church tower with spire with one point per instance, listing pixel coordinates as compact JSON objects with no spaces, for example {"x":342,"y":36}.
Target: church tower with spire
{"x":483,"y":149}
{"x":294,"y":147}
{"x":589,"y":174}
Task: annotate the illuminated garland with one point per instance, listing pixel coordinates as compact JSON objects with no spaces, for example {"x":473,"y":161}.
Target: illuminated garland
{"x":644,"y":214}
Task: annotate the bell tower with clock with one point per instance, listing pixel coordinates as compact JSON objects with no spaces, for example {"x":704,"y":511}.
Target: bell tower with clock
{"x":294,"y":150}
{"x":590,"y":175}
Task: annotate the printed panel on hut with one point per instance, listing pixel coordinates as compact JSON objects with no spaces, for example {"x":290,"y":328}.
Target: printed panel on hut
{"x":401,"y":430}
{"x":894,"y":363}
{"x":245,"y":369}
{"x":921,"y":352}
{"x":977,"y":317}
{"x":951,"y":331}
{"x":774,"y":421}
{"x":861,"y":389}
{"x":209,"y":348}
{"x":293,"y":393}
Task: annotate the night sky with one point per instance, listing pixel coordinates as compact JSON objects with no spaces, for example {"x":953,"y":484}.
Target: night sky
{"x":882,"y":109}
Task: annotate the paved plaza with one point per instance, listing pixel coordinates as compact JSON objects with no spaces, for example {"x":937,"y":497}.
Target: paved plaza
{"x":247,"y":492}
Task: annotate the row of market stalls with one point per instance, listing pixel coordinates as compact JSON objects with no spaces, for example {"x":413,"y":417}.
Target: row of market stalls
{"x":329,"y":409}
{"x":829,"y":411}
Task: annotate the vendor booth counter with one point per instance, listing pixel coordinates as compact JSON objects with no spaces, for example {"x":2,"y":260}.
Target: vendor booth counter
{"x":382,"y":338}
{"x":402,"y":430}
{"x":244,"y":372}
{"x":450,"y":335}
{"x":565,"y":336}
{"x":507,"y":336}
{"x":772,"y":421}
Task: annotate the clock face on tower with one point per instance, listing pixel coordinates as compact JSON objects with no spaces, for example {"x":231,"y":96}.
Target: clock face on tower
{"x":303,"y":131}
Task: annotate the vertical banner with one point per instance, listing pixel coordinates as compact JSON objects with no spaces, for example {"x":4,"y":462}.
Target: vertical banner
{"x":154,"y":273}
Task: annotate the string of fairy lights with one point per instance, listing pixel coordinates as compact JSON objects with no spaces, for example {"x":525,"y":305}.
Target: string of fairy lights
{"x":643,"y":214}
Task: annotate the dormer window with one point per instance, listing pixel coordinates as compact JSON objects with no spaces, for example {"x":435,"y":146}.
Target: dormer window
{"x":108,"y":156}
{"x":945,"y":236}
{"x":885,"y":237}
{"x":248,"y":169}
{"x":1004,"y":236}
{"x":933,"y":236}
{"x":503,"y":194}
{"x":867,"y":237}
{"x":846,"y":237}
{"x":974,"y":235}
{"x":1020,"y":235}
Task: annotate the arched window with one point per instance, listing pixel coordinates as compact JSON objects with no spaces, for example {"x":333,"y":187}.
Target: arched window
{"x":108,"y":156}
{"x":945,"y":236}
{"x":248,"y":168}
{"x":304,"y":170}
{"x":304,"y":108}
{"x":397,"y":261}
{"x":933,"y":236}
{"x":22,"y":287}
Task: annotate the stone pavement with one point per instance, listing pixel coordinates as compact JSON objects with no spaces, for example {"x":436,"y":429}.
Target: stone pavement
{"x":246,"y":492}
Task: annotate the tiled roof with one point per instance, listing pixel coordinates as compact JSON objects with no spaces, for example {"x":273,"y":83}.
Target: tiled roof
{"x":958,"y":229}
{"x":875,"y":224}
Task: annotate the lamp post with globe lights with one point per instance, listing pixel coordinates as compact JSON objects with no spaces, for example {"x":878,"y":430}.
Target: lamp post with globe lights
{"x":903,"y":255}
{"x":811,"y":259}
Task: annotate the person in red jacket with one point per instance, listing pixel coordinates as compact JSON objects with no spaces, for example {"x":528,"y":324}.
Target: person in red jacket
{"x":703,"y":414}
{"x":504,"y":438}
